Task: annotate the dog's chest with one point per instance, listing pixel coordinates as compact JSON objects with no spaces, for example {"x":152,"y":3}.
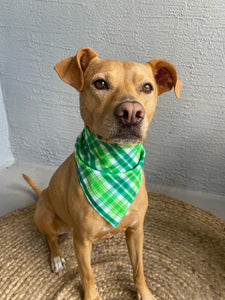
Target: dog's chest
{"x":97,"y":228}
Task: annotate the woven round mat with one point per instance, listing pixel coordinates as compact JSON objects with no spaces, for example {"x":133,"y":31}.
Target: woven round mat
{"x":184,"y":257}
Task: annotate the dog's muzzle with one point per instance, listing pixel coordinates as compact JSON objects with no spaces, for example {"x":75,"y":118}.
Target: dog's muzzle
{"x":129,"y":115}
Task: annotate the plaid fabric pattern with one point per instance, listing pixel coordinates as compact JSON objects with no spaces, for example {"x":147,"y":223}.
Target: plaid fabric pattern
{"x":109,"y":174}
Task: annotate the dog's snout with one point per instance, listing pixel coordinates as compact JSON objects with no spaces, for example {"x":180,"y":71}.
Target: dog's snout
{"x":130,"y":113}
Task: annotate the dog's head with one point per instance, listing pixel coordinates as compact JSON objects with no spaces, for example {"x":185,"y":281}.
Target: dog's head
{"x":118,"y":99}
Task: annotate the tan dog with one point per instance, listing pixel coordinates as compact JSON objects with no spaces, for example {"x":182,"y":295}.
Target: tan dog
{"x":117,"y":103}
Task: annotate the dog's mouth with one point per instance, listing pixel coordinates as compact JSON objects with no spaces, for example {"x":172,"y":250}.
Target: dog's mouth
{"x":121,"y":134}
{"x":127,"y":135}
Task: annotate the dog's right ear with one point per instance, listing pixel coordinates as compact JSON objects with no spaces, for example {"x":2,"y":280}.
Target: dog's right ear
{"x":71,"y":69}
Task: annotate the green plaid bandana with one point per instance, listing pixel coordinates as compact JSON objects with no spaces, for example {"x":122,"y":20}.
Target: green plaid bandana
{"x":109,"y":174}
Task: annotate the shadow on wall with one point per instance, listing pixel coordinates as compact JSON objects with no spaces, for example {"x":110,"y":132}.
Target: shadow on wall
{"x":5,"y":149}
{"x":188,"y":166}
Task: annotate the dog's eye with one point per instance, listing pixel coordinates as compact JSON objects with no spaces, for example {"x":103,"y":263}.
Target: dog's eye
{"x":101,"y":84}
{"x":147,"y":88}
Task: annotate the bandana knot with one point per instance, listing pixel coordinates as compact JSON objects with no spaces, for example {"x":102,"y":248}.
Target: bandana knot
{"x":109,"y":174}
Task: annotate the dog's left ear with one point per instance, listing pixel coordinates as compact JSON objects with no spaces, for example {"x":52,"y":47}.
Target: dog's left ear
{"x":165,"y":76}
{"x":71,"y":69}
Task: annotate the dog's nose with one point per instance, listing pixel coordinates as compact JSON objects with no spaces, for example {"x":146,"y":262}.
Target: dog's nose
{"x":130,"y":113}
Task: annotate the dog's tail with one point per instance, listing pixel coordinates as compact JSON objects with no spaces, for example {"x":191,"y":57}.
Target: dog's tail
{"x":32,"y":184}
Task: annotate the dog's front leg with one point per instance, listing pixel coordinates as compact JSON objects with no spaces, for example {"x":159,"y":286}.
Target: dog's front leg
{"x":83,"y":254}
{"x":134,"y":238}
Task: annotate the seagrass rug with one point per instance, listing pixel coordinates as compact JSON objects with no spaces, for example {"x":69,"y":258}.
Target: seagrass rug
{"x":184,"y":257}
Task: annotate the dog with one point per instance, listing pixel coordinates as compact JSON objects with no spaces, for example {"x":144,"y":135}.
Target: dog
{"x":117,"y":103}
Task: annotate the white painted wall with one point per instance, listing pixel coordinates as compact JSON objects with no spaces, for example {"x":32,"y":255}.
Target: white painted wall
{"x":5,"y":150}
{"x":186,"y":143}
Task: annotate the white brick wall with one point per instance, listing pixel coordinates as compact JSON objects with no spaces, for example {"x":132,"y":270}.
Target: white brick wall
{"x":186,"y":142}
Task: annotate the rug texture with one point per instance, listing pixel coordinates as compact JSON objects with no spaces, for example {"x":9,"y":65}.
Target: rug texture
{"x":184,"y":257}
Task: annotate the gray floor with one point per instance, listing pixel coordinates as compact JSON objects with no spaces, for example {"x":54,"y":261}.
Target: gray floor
{"x":16,"y":193}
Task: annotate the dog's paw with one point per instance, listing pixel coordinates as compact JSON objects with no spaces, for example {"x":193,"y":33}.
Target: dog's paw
{"x":92,"y":294}
{"x":95,"y":298}
{"x":145,"y":295}
{"x":58,"y":264}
